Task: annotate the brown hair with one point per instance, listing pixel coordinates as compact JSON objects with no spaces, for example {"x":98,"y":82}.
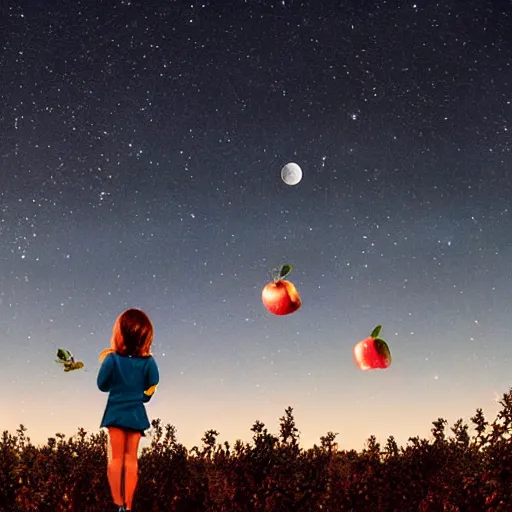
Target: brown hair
{"x":132,"y":335}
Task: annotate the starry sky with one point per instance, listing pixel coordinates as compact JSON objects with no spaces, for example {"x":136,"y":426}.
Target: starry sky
{"x":141,"y":145}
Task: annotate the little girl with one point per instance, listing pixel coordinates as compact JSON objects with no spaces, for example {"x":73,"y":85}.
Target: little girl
{"x":130,"y":374}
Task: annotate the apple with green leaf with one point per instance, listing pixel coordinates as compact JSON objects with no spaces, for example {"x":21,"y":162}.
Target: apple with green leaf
{"x":280,"y":297}
{"x":373,"y":352}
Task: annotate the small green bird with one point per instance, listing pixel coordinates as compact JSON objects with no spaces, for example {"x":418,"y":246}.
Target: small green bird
{"x":67,"y":359}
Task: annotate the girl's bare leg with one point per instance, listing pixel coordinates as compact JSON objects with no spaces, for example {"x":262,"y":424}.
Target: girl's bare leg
{"x":115,"y":463}
{"x":131,"y":466}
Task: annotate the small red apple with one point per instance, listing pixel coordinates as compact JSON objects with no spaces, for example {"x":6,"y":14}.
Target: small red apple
{"x":372,"y":352}
{"x":280,"y":297}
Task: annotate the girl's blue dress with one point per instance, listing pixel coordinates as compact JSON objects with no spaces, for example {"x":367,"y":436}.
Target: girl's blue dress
{"x":126,"y":378}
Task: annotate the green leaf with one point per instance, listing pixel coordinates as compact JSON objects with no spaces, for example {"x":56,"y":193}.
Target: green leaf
{"x":285,"y":270}
{"x":375,"y":333}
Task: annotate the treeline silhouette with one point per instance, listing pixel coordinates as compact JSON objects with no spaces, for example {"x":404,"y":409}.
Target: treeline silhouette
{"x":453,"y":471}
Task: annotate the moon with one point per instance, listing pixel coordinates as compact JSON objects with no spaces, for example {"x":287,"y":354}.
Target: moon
{"x":291,"y":174}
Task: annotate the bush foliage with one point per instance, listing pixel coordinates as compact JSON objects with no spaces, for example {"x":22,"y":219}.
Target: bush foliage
{"x":453,"y":471}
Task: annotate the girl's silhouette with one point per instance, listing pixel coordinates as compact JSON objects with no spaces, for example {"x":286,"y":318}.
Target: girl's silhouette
{"x":130,"y":374}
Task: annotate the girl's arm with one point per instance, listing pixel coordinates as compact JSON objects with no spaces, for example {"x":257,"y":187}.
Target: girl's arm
{"x":152,"y":378}
{"x":104,"y":379}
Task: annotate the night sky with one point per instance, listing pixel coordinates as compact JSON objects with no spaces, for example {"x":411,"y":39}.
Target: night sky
{"x":141,"y":145}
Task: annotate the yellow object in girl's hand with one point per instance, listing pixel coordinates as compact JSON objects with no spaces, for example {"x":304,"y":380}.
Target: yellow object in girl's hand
{"x":150,"y":391}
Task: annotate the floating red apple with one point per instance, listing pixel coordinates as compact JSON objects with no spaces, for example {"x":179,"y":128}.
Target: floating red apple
{"x":280,"y":297}
{"x":372,"y":352}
